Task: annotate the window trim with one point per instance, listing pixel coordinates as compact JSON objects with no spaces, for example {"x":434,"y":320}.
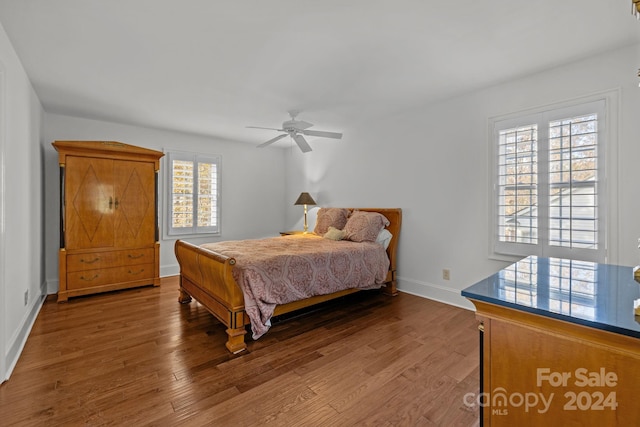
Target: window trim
{"x":608,"y":180}
{"x":195,"y":231}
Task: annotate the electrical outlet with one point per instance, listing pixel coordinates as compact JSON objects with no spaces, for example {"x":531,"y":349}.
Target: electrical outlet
{"x":26,"y":297}
{"x":446,"y":274}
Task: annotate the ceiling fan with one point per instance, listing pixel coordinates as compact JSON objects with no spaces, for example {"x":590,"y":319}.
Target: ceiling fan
{"x":296,"y":129}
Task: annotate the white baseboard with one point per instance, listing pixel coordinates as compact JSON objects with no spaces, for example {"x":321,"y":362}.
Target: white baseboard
{"x":169,"y":270}
{"x":442,"y":294}
{"x":19,"y":338}
{"x":53,"y":286}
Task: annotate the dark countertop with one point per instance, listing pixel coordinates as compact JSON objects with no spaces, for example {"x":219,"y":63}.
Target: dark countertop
{"x":595,"y":295}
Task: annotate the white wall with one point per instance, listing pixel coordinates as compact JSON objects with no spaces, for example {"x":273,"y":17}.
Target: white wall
{"x":433,"y":163}
{"x":253,"y":183}
{"x":21,"y":217}
{"x":430,"y":161}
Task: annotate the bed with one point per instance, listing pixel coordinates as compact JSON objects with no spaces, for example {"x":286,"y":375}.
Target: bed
{"x":220,"y":276}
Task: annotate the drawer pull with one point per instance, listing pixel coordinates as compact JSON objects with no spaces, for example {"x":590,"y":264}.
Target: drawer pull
{"x":89,"y":279}
{"x":90,"y":262}
{"x":136,"y":272}
{"x":135,"y":256}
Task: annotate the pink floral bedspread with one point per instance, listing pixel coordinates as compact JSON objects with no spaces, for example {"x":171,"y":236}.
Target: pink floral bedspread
{"x":279,"y":270}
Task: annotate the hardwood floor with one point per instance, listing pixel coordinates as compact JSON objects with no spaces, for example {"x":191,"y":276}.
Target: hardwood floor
{"x":138,"y":357}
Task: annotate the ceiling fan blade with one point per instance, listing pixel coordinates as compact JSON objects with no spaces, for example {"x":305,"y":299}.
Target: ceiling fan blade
{"x":323,"y":134}
{"x":302,"y":143}
{"x":259,"y":127}
{"x":272,"y":140}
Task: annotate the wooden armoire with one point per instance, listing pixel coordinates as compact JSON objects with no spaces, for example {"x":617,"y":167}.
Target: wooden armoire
{"x":109,"y":236}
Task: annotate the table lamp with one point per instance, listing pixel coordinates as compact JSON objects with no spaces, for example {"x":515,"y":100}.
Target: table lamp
{"x":305,"y":199}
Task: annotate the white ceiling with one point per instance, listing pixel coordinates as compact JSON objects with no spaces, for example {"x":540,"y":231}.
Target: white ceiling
{"x":213,"y":67}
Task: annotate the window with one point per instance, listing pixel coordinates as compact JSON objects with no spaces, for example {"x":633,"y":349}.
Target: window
{"x":549,"y":192}
{"x":194,"y":193}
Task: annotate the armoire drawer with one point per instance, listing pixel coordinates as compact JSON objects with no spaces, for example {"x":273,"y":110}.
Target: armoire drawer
{"x":95,"y":260}
{"x":105,"y":276}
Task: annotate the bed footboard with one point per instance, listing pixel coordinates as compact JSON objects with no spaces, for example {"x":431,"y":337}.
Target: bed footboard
{"x":206,"y":276}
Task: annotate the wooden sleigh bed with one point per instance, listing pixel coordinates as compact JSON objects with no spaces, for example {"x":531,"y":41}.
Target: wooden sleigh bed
{"x":208,"y":277}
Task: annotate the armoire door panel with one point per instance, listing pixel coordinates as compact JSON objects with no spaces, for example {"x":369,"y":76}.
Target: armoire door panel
{"x":134,"y":188}
{"x":89,"y":205}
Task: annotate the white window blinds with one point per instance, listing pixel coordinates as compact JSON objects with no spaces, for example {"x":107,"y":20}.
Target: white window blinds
{"x":194,"y":194}
{"x":518,"y":184}
{"x":548,"y":184}
{"x":573,"y":182}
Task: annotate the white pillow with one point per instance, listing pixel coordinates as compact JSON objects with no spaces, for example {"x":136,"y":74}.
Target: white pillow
{"x":384,"y":238}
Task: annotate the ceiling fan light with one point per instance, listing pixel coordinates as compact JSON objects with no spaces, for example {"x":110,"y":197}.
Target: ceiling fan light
{"x":296,"y":129}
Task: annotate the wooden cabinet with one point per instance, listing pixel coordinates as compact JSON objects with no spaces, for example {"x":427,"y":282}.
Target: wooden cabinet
{"x":108,"y":217}
{"x":560,"y":345}
{"x":541,"y":371}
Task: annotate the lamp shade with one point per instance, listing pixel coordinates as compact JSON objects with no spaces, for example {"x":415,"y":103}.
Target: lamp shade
{"x":305,"y":199}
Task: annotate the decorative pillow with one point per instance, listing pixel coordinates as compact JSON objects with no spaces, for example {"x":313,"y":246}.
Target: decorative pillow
{"x":364,"y":226}
{"x":330,"y":217}
{"x":334,"y":234}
